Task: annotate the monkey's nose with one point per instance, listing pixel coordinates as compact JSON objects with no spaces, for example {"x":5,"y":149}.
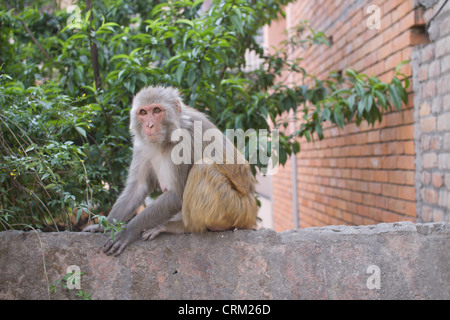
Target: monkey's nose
{"x":150,"y":125}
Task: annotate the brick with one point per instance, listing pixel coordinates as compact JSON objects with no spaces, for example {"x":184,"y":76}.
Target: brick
{"x":424,"y":109}
{"x":436,"y":143}
{"x":427,"y":214}
{"x":447,"y":141}
{"x":429,"y":89}
{"x":407,"y":193}
{"x":407,"y":53}
{"x":389,"y":190}
{"x":402,"y":177}
{"x":423,"y":73}
{"x":425,"y":142}
{"x":388,"y":6}
{"x":427,"y":53}
{"x":438,"y":215}
{"x":434,"y":69}
{"x":393,"y":61}
{"x":444,"y":198}
{"x":409,"y":148}
{"x":426,"y":178}
{"x":444,"y":161}
{"x":443,"y":122}
{"x":405,"y":133}
{"x":430,"y":196}
{"x":428,"y":124}
{"x":408,"y":21}
{"x":388,"y":134}
{"x":430,"y":160}
{"x":396,"y":147}
{"x":437,"y":179}
{"x":406,"y":162}
{"x":446,"y":102}
{"x":436,"y":105}
{"x":447,"y":180}
{"x":444,"y":84}
{"x":444,"y":27}
{"x":445,"y":64}
{"x":443,"y":47}
{"x":405,"y":8}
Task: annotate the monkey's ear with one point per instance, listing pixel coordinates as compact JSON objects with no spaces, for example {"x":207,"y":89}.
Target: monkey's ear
{"x":178,"y":106}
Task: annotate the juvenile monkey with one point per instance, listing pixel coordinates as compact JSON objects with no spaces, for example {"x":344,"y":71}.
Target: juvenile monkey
{"x":196,"y":197}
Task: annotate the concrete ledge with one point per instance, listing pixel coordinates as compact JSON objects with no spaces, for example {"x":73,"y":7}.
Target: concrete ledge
{"x":317,"y":263}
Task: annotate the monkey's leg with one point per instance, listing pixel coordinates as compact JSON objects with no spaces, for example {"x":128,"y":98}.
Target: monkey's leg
{"x":211,"y":202}
{"x":176,"y":227}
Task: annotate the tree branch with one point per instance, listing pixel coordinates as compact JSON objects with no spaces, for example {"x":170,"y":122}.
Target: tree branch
{"x":36,"y":42}
{"x":94,"y":50}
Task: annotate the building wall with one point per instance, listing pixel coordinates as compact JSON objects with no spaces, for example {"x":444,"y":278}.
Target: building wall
{"x":431,"y":63}
{"x":365,"y":175}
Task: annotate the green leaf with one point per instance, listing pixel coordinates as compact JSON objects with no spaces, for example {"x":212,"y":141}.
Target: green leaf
{"x":206,"y":68}
{"x":359,"y":89}
{"x":395,"y":97}
{"x":326,"y":114}
{"x":237,"y":23}
{"x":361,"y":107}
{"x":191,"y":77}
{"x":49,"y":186}
{"x":180,"y":71}
{"x":185,"y":21}
{"x":351,"y":101}
{"x":351,"y":73}
{"x":381,"y":99}
{"x":338,"y":116}
{"x":401,"y":64}
{"x":401,"y":91}
{"x":142,"y":77}
{"x":81,"y":131}
{"x":368,"y":101}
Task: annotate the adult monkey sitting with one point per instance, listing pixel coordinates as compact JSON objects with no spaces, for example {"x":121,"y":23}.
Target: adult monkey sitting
{"x":196,"y":197}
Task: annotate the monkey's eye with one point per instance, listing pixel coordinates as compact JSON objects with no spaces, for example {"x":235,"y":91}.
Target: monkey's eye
{"x":157,"y":110}
{"x":142,"y":112}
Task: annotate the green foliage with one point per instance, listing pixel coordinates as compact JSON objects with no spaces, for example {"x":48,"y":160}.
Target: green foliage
{"x":113,"y":228}
{"x":62,"y":283}
{"x":65,"y":93}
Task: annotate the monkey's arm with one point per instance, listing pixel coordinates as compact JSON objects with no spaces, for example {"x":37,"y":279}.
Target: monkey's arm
{"x":140,"y":182}
{"x":160,"y":211}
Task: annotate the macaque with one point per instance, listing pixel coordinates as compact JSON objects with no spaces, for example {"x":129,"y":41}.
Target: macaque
{"x":198,"y":195}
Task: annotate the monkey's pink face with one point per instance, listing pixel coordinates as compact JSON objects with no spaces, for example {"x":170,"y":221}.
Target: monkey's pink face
{"x":151,"y":118}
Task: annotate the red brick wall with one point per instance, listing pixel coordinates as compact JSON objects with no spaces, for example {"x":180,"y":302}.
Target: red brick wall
{"x":357,"y":175}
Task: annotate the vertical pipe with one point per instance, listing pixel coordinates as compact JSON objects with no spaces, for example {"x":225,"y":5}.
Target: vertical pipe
{"x":295,"y":216}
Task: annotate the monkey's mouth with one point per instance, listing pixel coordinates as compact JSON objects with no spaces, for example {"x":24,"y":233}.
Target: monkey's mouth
{"x":153,"y":136}
{"x":149,"y":134}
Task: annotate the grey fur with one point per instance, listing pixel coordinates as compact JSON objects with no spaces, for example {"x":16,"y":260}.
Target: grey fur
{"x":142,"y":179}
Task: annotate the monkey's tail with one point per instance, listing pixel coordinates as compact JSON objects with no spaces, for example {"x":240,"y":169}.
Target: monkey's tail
{"x":240,"y":177}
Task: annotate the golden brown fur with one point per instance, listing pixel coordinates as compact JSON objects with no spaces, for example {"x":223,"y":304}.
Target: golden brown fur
{"x":215,"y":199}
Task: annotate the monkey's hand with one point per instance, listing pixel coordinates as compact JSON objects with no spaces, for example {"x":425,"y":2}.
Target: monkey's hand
{"x":120,"y":242}
{"x":94,"y":228}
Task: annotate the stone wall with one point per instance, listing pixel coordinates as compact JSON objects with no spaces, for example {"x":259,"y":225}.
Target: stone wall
{"x":386,"y":261}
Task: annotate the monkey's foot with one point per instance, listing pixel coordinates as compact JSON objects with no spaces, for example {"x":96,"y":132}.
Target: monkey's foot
{"x":152,"y":233}
{"x":94,"y":228}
